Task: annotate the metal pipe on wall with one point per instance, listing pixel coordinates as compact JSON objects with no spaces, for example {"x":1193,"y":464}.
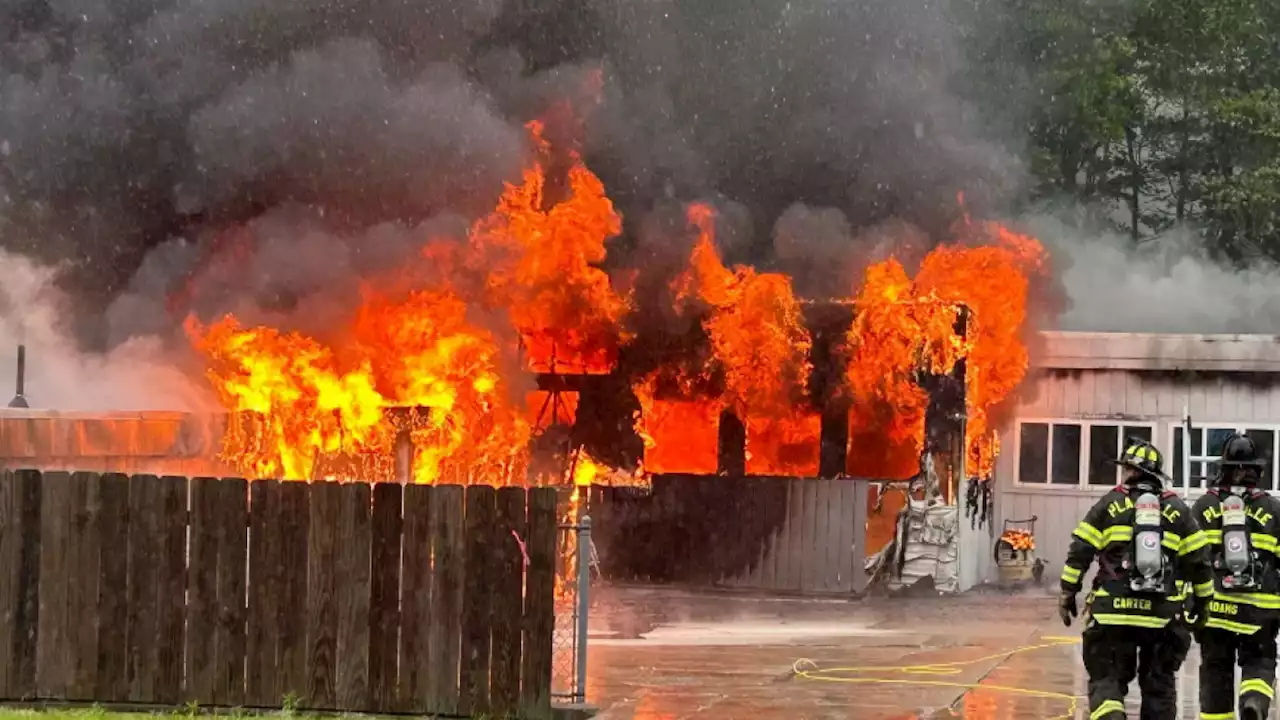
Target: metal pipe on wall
{"x":19,"y":399}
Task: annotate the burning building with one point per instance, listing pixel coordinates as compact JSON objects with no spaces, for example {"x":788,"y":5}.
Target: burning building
{"x":515,"y":330}
{"x":519,"y":352}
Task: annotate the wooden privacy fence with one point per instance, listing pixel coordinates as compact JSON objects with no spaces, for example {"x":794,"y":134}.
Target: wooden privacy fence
{"x":354,"y":597}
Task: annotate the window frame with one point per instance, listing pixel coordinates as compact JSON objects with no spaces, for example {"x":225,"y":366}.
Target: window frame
{"x":1086,"y":426}
{"x":1202,"y":427}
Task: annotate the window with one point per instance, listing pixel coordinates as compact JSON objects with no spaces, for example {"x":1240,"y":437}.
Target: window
{"x":1208,"y":441}
{"x":1066,"y":455}
{"x":1033,"y":453}
{"x":1106,"y":443}
{"x":1074,"y":452}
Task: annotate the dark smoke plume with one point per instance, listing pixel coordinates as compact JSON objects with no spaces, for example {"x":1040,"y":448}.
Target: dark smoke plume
{"x":258,"y":156}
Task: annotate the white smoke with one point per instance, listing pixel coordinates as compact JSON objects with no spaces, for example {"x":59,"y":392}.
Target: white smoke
{"x":1166,"y":284}
{"x":139,"y":374}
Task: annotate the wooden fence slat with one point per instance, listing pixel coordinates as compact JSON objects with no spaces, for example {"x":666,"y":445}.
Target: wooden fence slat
{"x":449,"y":566}
{"x":321,"y":611}
{"x":352,"y":595}
{"x":262,"y":619}
{"x":293,"y":648}
{"x":846,"y":503}
{"x":415,"y":692}
{"x":26,"y":646}
{"x":769,"y":548}
{"x":229,"y":633}
{"x":216,"y":588}
{"x":53,"y":653}
{"x":539,"y":605}
{"x":113,"y":589}
{"x":858,"y":501}
{"x":82,"y":562}
{"x":508,"y":603}
{"x":202,"y":591}
{"x":782,"y":542}
{"x":20,"y":495}
{"x":384,"y":598}
{"x":751,"y":532}
{"x":143,"y":616}
{"x":824,"y":541}
{"x":689,"y":503}
{"x":477,"y":613}
{"x":171,"y":588}
{"x":811,"y":566}
{"x":837,"y":577}
{"x":10,"y":556}
{"x":794,"y":529}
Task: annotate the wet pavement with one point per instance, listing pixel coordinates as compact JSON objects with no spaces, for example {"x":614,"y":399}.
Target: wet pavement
{"x":663,"y":655}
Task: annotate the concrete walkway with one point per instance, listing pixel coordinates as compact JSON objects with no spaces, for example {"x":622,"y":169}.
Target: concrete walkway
{"x":659,"y":655}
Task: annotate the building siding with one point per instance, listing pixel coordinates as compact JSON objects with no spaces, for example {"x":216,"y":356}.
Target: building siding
{"x":1114,"y":395}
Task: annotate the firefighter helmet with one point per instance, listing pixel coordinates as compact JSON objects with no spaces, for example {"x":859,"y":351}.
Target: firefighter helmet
{"x":1142,"y":455}
{"x":1240,"y":450}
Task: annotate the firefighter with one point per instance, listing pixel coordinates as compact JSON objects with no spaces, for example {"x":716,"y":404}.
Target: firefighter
{"x":1241,"y":524}
{"x":1147,"y":545}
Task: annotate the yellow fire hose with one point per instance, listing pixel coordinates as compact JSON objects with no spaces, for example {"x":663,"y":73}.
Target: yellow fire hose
{"x":809,"y":670}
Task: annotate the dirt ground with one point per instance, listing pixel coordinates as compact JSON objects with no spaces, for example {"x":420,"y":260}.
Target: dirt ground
{"x":661,"y":655}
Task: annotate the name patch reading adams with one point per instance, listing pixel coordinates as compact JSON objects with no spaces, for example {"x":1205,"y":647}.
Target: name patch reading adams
{"x":1262,"y":517}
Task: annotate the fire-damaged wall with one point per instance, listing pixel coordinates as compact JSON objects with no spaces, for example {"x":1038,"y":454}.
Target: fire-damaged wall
{"x":719,"y":443}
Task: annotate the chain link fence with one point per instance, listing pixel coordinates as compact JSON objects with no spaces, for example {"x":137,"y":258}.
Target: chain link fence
{"x":577,"y":564}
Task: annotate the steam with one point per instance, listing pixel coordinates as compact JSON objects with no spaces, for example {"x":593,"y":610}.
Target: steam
{"x":137,"y":374}
{"x":1166,"y":284}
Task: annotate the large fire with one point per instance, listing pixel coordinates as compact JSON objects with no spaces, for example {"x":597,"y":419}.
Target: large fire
{"x":430,"y":358}
{"x":421,"y":350}
{"x":761,"y":347}
{"x":903,"y":326}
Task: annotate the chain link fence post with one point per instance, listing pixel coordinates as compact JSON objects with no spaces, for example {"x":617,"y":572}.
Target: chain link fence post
{"x":573,"y":609}
{"x":582,"y":609}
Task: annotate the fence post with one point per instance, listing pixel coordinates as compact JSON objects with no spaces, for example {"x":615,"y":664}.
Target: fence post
{"x":583,"y":592}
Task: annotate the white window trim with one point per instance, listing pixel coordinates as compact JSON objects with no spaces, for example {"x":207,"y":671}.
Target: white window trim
{"x":1082,"y":482}
{"x":1176,"y":428}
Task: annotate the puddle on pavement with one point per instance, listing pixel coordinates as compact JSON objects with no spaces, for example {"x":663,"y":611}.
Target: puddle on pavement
{"x":704,"y":669}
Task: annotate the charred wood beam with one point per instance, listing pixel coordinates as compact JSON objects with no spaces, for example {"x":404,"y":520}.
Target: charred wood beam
{"x":732,"y":457}
{"x":944,"y":417}
{"x":829,"y":325}
{"x":556,"y":382}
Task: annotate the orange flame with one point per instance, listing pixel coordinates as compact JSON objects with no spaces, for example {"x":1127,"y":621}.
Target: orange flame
{"x":541,"y":268}
{"x":905,"y":325}
{"x":761,"y":347}
{"x":538,"y":267}
{"x":534,"y":265}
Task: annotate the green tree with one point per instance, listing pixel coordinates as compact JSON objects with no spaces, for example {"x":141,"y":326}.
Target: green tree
{"x":1151,"y":113}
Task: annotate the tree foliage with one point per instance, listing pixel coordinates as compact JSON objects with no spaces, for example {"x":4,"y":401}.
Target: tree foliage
{"x":1152,"y":113}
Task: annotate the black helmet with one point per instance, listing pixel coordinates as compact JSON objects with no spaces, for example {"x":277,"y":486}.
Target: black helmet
{"x":1142,"y":455}
{"x":1240,"y":450}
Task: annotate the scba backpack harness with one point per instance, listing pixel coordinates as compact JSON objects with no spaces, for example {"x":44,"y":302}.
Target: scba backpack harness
{"x":1238,"y":564}
{"x":1149,"y":568}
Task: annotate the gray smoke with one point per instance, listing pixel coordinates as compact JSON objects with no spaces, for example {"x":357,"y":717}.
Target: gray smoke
{"x":137,"y":136}
{"x":1165,"y":284}
{"x":124,"y":124}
